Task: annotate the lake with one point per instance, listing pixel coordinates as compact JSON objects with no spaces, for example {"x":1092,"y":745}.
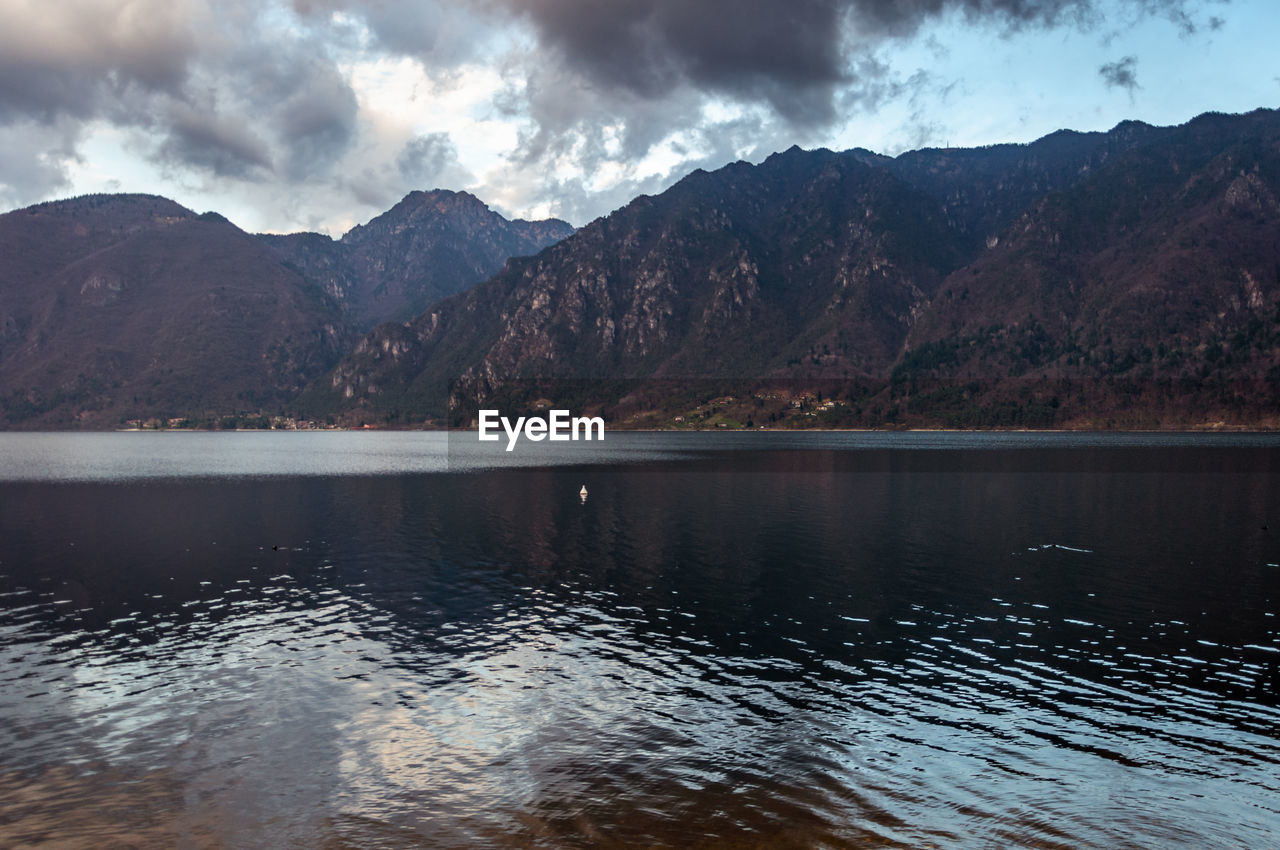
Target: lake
{"x":736,"y":640}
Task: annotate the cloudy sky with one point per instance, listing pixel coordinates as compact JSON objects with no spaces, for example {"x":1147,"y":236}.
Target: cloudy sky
{"x":319,"y":114}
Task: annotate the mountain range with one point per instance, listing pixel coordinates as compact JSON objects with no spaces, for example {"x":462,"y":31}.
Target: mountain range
{"x":1121,"y":279}
{"x":131,"y":307}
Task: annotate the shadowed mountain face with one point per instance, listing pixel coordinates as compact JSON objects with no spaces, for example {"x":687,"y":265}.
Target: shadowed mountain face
{"x":428,"y":246}
{"x":130,"y":306}
{"x":119,"y":307}
{"x":1147,"y":293}
{"x":1121,"y":278}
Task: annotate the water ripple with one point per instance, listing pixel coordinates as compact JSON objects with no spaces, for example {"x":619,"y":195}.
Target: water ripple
{"x":692,"y":659}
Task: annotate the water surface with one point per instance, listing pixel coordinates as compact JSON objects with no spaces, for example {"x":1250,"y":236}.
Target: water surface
{"x":386,"y":640}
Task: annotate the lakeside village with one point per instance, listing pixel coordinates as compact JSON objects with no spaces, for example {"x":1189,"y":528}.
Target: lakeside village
{"x":785,"y":411}
{"x":767,"y":410}
{"x":236,"y":422}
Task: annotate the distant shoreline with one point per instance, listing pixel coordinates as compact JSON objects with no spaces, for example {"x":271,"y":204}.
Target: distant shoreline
{"x":1215,"y":428}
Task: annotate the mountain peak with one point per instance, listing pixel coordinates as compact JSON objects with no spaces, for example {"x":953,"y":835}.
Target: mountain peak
{"x":793,"y":152}
{"x":442,"y":203}
{"x":442,"y":198}
{"x":431,"y":244}
{"x":129,"y":206}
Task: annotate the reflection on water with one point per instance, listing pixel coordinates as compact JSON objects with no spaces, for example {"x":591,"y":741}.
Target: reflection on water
{"x":869,"y":647}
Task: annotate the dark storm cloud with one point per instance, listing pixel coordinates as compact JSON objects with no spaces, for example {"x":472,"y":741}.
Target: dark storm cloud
{"x":224,"y":147}
{"x":794,"y":56}
{"x":1121,"y":74}
{"x":302,"y":99}
{"x":62,"y":58}
{"x":786,"y":54}
{"x":205,"y":87}
{"x":65,"y":64}
{"x":65,"y":58}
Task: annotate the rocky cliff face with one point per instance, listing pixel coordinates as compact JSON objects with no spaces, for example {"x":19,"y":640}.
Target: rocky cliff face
{"x":727,"y":273}
{"x":1082,"y":278}
{"x":428,"y":246}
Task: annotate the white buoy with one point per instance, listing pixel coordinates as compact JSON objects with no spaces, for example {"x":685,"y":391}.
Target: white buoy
{"x":583,"y":493}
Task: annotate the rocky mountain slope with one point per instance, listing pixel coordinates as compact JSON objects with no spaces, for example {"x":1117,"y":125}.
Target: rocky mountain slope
{"x":1128,"y":278}
{"x":428,"y":246}
{"x":1148,"y":293}
{"x":130,"y":306}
